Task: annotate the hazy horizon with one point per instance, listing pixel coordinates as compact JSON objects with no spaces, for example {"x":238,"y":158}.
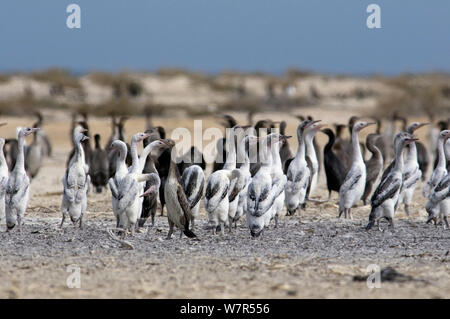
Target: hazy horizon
{"x":213,"y":36}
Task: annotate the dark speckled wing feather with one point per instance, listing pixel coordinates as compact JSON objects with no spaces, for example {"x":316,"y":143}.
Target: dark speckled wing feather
{"x":211,"y":190}
{"x":199,"y":194}
{"x":183,"y":203}
{"x":385,"y":191}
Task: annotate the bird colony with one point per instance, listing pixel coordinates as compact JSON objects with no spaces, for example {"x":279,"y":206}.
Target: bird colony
{"x":256,"y":175}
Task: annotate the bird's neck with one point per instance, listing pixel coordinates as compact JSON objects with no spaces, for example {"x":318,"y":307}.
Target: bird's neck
{"x":441,"y":154}
{"x":411,"y":155}
{"x":20,"y":162}
{"x":331,"y":139}
{"x":399,"y":162}
{"x":173,"y":170}
{"x":230,"y":162}
{"x":301,"y":148}
{"x":120,"y":160}
{"x":266,"y":157}
{"x":243,"y":157}
{"x":310,"y":151}
{"x":357,"y":156}
{"x":80,"y":152}
{"x":144,"y":154}
{"x":376,"y":153}
{"x":134,"y":157}
{"x":276,"y":159}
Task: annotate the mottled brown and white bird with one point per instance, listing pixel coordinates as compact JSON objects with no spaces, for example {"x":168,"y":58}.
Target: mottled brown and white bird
{"x":178,"y":210}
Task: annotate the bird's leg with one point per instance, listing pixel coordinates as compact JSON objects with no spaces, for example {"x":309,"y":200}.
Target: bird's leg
{"x":378,"y":224}
{"x":222,"y":229}
{"x":214,"y":230}
{"x":407,"y":209}
{"x":276,"y":220}
{"x":62,"y":221}
{"x":81,"y":222}
{"x":350,"y":213}
{"x":230,"y":223}
{"x":19,"y":223}
{"x":117,"y":222}
{"x":391,"y":222}
{"x":345,"y":213}
{"x":181,"y":233}
{"x":192,"y":222}
{"x":132,"y":229}
{"x":169,"y":235}
{"x":162,"y":210}
{"x":446,"y":222}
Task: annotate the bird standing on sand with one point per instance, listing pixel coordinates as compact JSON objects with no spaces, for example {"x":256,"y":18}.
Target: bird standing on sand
{"x":353,"y":186}
{"x":298,"y":174}
{"x":76,"y":182}
{"x":411,"y":171}
{"x":385,"y":198}
{"x":374,"y":166}
{"x":178,"y":211}
{"x":120,"y":149}
{"x":334,"y":170}
{"x":17,"y":190}
{"x":263,"y":189}
{"x":99,"y":169}
{"x":193,"y":181}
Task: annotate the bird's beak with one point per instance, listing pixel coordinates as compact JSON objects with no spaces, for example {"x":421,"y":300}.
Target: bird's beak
{"x":422,"y":124}
{"x":369,"y":124}
{"x":3,"y":124}
{"x":148,"y":191}
{"x":318,"y":127}
{"x":411,"y":140}
{"x":312,"y":123}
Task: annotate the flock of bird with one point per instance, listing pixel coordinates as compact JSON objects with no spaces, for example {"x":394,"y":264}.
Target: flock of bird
{"x":255,"y":173}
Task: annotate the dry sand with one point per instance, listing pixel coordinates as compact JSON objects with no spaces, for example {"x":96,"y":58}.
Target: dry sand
{"x":313,"y":254}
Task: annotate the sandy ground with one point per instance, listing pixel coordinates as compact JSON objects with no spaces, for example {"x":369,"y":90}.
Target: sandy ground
{"x":311,"y":255}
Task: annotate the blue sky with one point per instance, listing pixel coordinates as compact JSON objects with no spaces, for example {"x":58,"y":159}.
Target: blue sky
{"x":215,"y":35}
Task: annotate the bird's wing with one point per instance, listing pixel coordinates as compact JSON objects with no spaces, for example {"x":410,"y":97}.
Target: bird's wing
{"x":236,"y":185}
{"x":411,"y":177}
{"x":286,"y":165}
{"x":442,"y":190}
{"x":17,"y":189}
{"x":211,"y":189}
{"x":351,"y":180}
{"x":128,"y":190}
{"x":199,"y":194}
{"x":3,"y":184}
{"x":388,"y":170}
{"x":184,"y":205}
{"x":386,"y":190}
